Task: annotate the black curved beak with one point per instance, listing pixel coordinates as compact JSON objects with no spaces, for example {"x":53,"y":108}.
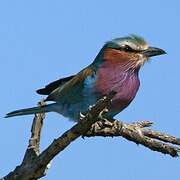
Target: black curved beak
{"x":153,"y":51}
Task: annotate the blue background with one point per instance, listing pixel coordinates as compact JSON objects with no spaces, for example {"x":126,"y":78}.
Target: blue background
{"x":41,"y":41}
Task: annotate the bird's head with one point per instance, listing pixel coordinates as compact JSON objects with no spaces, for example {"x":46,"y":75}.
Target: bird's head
{"x":132,"y":48}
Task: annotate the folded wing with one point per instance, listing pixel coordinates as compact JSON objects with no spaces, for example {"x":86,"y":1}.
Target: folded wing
{"x":54,"y":85}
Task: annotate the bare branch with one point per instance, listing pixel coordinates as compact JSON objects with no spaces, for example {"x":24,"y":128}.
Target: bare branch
{"x":34,"y":142}
{"x":91,"y":124}
{"x":162,"y":136}
{"x":137,"y":133}
{"x":32,"y":151}
{"x":34,"y":168}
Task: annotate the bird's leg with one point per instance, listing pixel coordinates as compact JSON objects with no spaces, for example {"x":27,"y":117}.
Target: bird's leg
{"x":83,"y":114}
{"x":102,"y":113}
{"x":103,"y":119}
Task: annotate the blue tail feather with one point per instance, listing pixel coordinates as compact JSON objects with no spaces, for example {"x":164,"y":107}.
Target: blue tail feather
{"x":33,"y":110}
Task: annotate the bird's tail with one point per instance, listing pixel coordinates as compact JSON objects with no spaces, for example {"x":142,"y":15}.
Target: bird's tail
{"x":33,"y":110}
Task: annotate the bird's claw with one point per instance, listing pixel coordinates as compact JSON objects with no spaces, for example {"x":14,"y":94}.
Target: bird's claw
{"x":81,"y":115}
{"x":90,"y":107}
{"x":104,"y":111}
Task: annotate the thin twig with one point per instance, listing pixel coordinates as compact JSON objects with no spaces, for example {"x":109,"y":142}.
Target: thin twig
{"x":91,"y":124}
{"x":32,"y":151}
{"x":35,"y":167}
{"x":137,"y":133}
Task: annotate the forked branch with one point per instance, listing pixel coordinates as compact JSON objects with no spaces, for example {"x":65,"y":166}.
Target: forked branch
{"x":91,"y":124}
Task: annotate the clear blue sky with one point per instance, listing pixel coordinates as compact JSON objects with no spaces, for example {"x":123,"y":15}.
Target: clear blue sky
{"x":41,"y":41}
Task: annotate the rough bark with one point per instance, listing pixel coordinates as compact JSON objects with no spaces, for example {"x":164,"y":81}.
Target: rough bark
{"x":35,"y":164}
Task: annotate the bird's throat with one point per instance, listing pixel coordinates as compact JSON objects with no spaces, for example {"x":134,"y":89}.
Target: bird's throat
{"x":118,"y":77}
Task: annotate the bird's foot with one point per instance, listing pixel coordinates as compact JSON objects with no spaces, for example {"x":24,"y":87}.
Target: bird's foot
{"x":81,"y":115}
{"x":102,"y":113}
{"x":90,"y":107}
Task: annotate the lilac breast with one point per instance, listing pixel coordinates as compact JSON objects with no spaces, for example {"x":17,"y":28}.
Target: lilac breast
{"x":121,"y":78}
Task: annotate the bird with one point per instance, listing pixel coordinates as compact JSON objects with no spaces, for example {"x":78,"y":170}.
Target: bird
{"x":115,"y":68}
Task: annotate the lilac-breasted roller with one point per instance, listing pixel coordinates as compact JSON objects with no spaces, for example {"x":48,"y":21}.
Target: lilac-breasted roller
{"x":115,"y":68}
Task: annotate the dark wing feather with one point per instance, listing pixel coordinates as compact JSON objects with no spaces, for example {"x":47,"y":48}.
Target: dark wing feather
{"x":52,"y":86}
{"x":73,"y":89}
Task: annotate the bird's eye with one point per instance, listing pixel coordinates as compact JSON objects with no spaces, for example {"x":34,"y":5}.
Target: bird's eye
{"x":127,"y":48}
